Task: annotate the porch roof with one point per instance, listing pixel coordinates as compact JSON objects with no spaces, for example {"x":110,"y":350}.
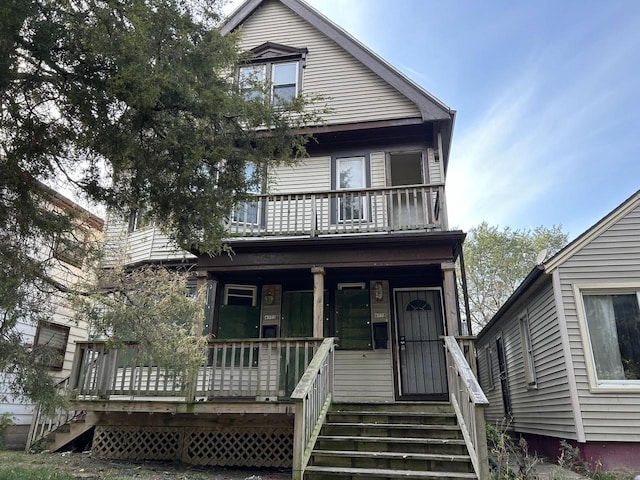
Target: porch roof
{"x":339,"y":251}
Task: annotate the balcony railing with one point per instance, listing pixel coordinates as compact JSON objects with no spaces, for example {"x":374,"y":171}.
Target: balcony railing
{"x":407,"y":207}
{"x":253,"y":368}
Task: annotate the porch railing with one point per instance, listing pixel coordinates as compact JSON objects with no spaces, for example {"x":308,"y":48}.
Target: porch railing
{"x":468,"y":401}
{"x":249,"y":368}
{"x":312,"y":398}
{"x":407,"y":207}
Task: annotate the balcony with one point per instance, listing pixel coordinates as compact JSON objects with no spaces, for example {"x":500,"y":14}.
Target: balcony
{"x":388,"y":209}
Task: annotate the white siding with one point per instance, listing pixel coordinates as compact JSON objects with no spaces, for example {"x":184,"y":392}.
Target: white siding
{"x":352,"y":91}
{"x":614,"y":256}
{"x":545,"y":410}
{"x":59,"y":312}
{"x":148,"y":244}
{"x":363,"y":376}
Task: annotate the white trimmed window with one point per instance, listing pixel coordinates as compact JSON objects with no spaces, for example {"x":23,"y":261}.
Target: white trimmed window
{"x":274,"y":70}
{"x":610,"y":322}
{"x":527,"y":350}
{"x":240,"y":295}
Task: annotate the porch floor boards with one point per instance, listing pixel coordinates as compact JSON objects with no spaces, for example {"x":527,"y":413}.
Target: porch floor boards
{"x":173,"y":407}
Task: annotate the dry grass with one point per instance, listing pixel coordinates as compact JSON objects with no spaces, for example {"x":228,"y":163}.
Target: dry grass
{"x":69,"y":466}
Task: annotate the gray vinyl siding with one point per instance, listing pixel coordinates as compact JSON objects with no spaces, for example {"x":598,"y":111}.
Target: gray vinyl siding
{"x":352,"y":91}
{"x":378,"y":176}
{"x":363,"y":376}
{"x":613,"y":256}
{"x":310,"y":175}
{"x":545,"y":409}
{"x":436,"y":175}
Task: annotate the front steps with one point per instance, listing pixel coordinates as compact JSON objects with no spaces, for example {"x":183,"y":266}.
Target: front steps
{"x":389,"y":441}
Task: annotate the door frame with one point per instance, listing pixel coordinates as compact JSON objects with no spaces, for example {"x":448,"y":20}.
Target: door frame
{"x":397,"y":375}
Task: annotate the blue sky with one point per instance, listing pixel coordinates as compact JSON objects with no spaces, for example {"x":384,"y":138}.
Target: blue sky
{"x":547,"y":95}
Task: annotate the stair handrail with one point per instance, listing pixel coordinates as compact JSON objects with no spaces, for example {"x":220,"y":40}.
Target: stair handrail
{"x":43,"y":424}
{"x":468,"y":401}
{"x":312,"y":397}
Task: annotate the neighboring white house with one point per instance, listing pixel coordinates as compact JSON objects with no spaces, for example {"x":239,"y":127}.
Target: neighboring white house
{"x":68,"y":266}
{"x":562,"y":357}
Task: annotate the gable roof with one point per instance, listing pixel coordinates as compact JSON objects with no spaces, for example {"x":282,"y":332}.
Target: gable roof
{"x":586,"y":237}
{"x":567,"y":252}
{"x":430,"y":107}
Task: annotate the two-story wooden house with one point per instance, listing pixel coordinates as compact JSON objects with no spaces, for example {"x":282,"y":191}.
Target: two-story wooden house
{"x":333,"y":322}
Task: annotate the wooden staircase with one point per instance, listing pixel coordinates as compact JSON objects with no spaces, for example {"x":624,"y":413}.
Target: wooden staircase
{"x":70,"y":431}
{"x":390,"y":441}
{"x":59,"y":430}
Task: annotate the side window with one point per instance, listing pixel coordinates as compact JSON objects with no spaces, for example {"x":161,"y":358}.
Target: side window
{"x":612,"y":320}
{"x":71,"y":247}
{"x":139,"y":219}
{"x":51,"y":344}
{"x":488,"y":354}
{"x":527,"y":350}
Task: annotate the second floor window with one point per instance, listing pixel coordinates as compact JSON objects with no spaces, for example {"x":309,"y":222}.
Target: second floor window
{"x":284,"y":82}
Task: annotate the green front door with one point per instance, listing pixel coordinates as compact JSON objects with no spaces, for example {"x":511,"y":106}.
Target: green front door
{"x":297,"y":322}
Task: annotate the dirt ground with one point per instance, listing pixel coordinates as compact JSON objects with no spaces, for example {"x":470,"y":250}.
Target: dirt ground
{"x":84,"y":466}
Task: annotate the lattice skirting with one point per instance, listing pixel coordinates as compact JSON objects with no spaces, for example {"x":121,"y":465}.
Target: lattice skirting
{"x":223,"y":446}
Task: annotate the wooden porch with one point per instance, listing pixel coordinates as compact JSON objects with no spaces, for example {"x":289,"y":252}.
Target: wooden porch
{"x":238,"y":407}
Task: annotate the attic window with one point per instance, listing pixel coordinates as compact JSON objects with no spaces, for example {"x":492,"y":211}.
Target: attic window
{"x":275,"y":70}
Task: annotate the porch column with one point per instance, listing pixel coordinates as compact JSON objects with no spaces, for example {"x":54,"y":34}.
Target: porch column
{"x":450,"y":302}
{"x":318,"y":301}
